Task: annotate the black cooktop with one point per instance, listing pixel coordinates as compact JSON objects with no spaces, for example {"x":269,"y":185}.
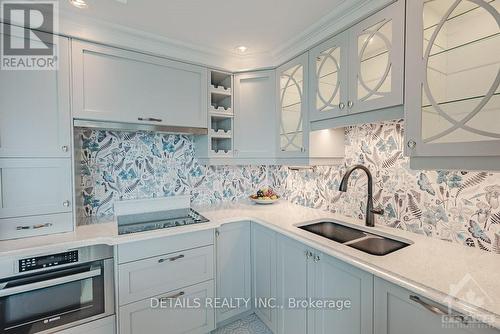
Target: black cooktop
{"x":157,"y":220}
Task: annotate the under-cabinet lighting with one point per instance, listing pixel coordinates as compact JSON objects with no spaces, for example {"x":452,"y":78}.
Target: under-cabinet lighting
{"x":79,"y":3}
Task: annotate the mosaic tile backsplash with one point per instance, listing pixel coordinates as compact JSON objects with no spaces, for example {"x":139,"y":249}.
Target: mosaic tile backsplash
{"x":461,"y":207}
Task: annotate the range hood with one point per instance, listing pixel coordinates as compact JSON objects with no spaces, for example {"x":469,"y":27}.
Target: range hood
{"x":105,"y":125}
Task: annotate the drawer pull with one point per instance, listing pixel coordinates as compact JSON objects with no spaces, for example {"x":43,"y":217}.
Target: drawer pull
{"x":177,"y":295}
{"x":34,"y":227}
{"x":150,"y":119}
{"x":171,"y":259}
{"x":437,"y":310}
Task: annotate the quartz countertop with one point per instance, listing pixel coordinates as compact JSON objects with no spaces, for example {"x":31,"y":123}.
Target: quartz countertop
{"x":429,"y":267}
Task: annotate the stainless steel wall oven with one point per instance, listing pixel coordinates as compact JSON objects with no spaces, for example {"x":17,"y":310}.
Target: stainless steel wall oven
{"x":57,"y":291}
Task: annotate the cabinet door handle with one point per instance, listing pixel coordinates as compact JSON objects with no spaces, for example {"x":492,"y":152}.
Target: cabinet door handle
{"x":149,"y":119}
{"x":350,"y":104}
{"x":308,"y":254}
{"x":341,"y":105}
{"x":175,"y":296}
{"x":33,"y":227}
{"x":171,"y":259}
{"x":316,"y":258}
{"x":437,"y":310}
{"x":66,"y":204}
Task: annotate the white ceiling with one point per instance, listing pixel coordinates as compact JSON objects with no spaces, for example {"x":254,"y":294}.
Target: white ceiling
{"x":261,"y":25}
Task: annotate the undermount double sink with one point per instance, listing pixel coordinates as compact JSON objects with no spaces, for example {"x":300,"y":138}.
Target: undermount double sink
{"x":356,"y":238}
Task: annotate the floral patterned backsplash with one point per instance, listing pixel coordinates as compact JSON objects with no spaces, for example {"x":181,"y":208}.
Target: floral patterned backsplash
{"x":457,"y":206}
{"x":461,"y":207}
{"x":130,"y":165}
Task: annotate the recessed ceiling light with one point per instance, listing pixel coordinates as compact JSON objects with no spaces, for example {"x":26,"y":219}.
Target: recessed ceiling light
{"x":79,"y":3}
{"x":241,"y":49}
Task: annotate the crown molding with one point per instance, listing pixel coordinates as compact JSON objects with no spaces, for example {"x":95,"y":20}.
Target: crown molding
{"x":99,"y":31}
{"x":344,"y":16}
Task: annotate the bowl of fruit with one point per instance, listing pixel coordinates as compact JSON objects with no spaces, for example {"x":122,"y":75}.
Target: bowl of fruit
{"x":265,"y":196}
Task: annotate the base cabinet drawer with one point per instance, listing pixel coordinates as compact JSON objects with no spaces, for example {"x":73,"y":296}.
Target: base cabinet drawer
{"x":139,"y":250}
{"x":101,"y":326}
{"x":179,"y":313}
{"x":153,"y":276}
{"x":23,"y":227}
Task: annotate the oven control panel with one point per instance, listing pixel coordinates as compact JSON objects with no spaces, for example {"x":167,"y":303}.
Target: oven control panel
{"x":47,"y":261}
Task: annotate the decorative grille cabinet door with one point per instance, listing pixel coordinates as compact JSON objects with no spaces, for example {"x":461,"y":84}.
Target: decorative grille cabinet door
{"x":328,"y":66}
{"x":377,"y":60}
{"x":453,"y":76}
{"x":292,"y":108}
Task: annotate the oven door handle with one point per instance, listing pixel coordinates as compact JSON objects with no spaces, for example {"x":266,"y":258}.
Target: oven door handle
{"x":4,"y":292}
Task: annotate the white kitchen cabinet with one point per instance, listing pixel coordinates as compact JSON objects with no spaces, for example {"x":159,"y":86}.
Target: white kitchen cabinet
{"x":264,"y":274}
{"x":331,"y":279}
{"x":111,"y":84}
{"x":297,"y":145}
{"x":293,"y":120}
{"x":234,"y":272}
{"x":452,"y":84}
{"x":359,"y":70}
{"x":306,"y":274}
{"x":36,"y":197}
{"x":148,"y":277}
{"x":377,"y":60}
{"x":254,"y":119}
{"x":135,"y":251}
{"x":292,"y":276}
{"x":35,"y":119}
{"x":145,"y":317}
{"x":101,"y":326}
{"x":397,"y":310}
{"x":328,"y":78}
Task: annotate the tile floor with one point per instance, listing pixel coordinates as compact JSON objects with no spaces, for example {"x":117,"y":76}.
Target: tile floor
{"x":248,"y":325}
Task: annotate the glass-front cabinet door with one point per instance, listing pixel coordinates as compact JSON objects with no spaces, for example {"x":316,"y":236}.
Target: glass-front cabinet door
{"x":453,"y":76}
{"x":377,"y":60}
{"x":292,"y":108}
{"x":328,"y":78}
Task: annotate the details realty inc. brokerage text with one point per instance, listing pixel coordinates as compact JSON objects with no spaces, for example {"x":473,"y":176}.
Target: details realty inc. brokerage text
{"x":239,"y":302}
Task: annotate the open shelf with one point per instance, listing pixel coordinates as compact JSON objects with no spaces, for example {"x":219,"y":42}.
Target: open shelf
{"x":221,"y":127}
{"x":220,"y":81}
{"x":218,"y":100}
{"x":221,"y":146}
{"x":221,"y":111}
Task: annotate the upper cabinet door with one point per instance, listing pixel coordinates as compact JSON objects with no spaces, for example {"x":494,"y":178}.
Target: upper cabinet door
{"x":35,"y":118}
{"x":377,"y":60}
{"x":254,"y":120}
{"x":112,"y":84}
{"x":292,"y":107}
{"x":453,"y":76}
{"x":328,"y":78}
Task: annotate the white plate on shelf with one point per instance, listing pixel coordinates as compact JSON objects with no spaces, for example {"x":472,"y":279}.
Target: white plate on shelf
{"x":264,"y":201}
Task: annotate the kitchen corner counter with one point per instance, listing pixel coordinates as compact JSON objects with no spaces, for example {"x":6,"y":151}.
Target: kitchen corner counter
{"x":429,"y":267}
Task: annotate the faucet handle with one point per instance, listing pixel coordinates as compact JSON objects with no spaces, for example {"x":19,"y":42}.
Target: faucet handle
{"x":378,"y":211}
